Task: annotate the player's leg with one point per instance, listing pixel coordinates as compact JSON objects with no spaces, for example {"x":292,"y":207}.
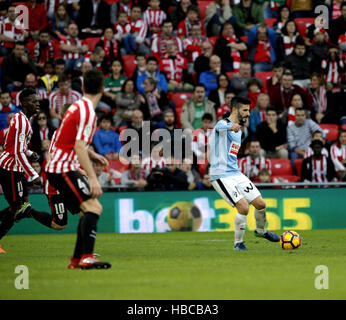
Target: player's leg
{"x":260,"y":217}
{"x":228,"y":190}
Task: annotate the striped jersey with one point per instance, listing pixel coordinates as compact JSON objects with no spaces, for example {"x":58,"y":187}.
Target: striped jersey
{"x":173,"y":68}
{"x":79,"y":123}
{"x":224,"y":146}
{"x":159,"y":47}
{"x":11,"y":30}
{"x":154,"y":17}
{"x":14,"y":157}
{"x":338,"y":155}
{"x":57,"y":99}
{"x":72,"y":42}
{"x":251,"y":167}
{"x":139,"y":29}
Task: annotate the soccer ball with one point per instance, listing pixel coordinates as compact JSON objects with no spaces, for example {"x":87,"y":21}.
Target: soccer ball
{"x":184,"y":216}
{"x":290,"y":240}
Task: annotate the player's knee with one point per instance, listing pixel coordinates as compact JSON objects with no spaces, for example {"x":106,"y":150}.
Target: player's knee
{"x":57,"y":226}
{"x":243,"y":207}
{"x":260,"y":204}
{"x":92,"y":205}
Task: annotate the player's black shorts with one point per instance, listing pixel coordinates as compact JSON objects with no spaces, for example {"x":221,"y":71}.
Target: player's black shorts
{"x":59,"y":211}
{"x":14,"y":186}
{"x":73,"y":188}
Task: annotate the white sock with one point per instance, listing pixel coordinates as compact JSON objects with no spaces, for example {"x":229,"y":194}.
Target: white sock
{"x":260,"y":217}
{"x":239,"y":227}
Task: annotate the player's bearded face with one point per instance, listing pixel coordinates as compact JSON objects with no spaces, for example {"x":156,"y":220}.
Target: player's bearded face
{"x":243,"y":115}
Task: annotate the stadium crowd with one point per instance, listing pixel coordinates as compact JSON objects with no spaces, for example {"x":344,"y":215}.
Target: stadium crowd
{"x":177,"y":65}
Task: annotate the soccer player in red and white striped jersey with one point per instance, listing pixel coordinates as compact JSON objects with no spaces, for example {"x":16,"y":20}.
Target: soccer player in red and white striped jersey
{"x":69,"y":151}
{"x":154,"y":17}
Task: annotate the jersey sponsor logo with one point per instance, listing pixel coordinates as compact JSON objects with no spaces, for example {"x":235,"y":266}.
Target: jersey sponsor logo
{"x":22,"y":137}
{"x":233,"y":150}
{"x":247,"y":190}
{"x":87,"y":131}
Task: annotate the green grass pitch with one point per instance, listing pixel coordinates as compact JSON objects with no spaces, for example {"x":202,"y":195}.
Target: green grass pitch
{"x":176,"y":265}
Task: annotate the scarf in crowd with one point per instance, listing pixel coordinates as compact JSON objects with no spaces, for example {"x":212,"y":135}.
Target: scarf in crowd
{"x":234,"y":54}
{"x":320,"y":100}
{"x":153,"y":104}
{"x":107,"y":46}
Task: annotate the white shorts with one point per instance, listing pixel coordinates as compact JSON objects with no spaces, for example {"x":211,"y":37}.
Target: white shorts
{"x":234,"y":188}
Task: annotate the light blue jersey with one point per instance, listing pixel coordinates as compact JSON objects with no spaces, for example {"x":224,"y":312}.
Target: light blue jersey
{"x":224,"y":147}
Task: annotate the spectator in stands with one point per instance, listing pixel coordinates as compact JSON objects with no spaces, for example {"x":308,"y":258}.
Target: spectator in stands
{"x":209,"y":78}
{"x":200,"y":139}
{"x":201,"y":63}
{"x":319,"y":49}
{"x":154,"y":103}
{"x":42,"y":130}
{"x":218,"y":95}
{"x":272,"y":135}
{"x":174,"y":178}
{"x":93,"y":17}
{"x":226,"y":107}
{"x":192,"y":17}
{"x":264,"y":176}
{"x":123,"y":35}
{"x":317,"y":135}
{"x":120,"y":6}
{"x":192,"y":46}
{"x":139,"y":29}
{"x":278,"y":70}
{"x":37,"y":18}
{"x":109,"y":44}
{"x":114,"y":82}
{"x":248,"y":14}
{"x":318,"y":92}
{"x":154,"y":17}
{"x":287,"y":39}
{"x":61,"y":20}
{"x":9,"y":34}
{"x":280,"y":96}
{"x":333,"y":68}
{"x":97,"y":59}
{"x":77,"y":82}
{"x":15,"y":67}
{"x":126,"y":102}
{"x":338,"y":26}
{"x":338,"y":155}
{"x":239,"y":81}
{"x":254,"y":89}
{"x":299,"y":136}
{"x":105,"y":178}
{"x":258,"y":114}
{"x":318,"y":167}
{"x":217,"y":15}
{"x":61,"y":96}
{"x":106,"y":140}
{"x":152,"y":72}
{"x":43,"y":50}
{"x":299,"y":62}
{"x":336,"y":12}
{"x":288,"y":117}
{"x":228,"y":48}
{"x":191,"y":174}
{"x":6,"y":108}
{"x":159,"y":46}
{"x":174,"y":66}
{"x":254,"y":162}
{"x":154,"y":160}
{"x":134,"y":177}
{"x":195,"y":107}
{"x":301,"y":8}
{"x":283,"y":15}
{"x":72,"y":47}
{"x":49,"y":81}
{"x":179,"y":12}
{"x":261,"y":45}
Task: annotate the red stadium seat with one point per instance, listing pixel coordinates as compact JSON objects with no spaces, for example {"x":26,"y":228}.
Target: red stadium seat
{"x":244,"y":38}
{"x":269,"y":22}
{"x":1,"y":58}
{"x":263,"y":76}
{"x":230,"y":74}
{"x":118,"y":165}
{"x":91,"y":42}
{"x":202,"y":168}
{"x":343,"y":126}
{"x":298,"y":164}
{"x":212,"y":40}
{"x":330,"y":131}
{"x":178,"y":99}
{"x":281,"y":167}
{"x":303,"y":24}
{"x":129,"y":64}
{"x":202,"y":5}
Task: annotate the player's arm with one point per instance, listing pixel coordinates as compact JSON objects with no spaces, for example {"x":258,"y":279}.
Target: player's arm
{"x":83,"y":157}
{"x":98,"y":157}
{"x":223,"y":125}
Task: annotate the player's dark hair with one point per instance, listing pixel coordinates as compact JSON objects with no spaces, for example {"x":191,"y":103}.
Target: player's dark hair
{"x":207,"y":116}
{"x":27,"y":92}
{"x":238,"y":102}
{"x":93,"y":81}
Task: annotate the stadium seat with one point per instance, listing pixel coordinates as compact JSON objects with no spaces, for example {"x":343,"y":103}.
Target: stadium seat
{"x":129,"y":64}
{"x":269,"y":22}
{"x":343,"y":126}
{"x":303,"y":24}
{"x":178,"y":99}
{"x":264,"y":76}
{"x":298,"y":165}
{"x":330,"y":131}
{"x":212,"y":40}
{"x":202,"y":5}
{"x":91,"y":42}
{"x":281,"y":167}
{"x":118,"y":165}
{"x":244,"y":38}
{"x":230,"y":74}
{"x":1,"y":58}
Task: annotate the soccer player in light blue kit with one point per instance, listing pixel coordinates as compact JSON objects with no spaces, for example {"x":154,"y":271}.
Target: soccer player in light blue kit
{"x":227,"y":179}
